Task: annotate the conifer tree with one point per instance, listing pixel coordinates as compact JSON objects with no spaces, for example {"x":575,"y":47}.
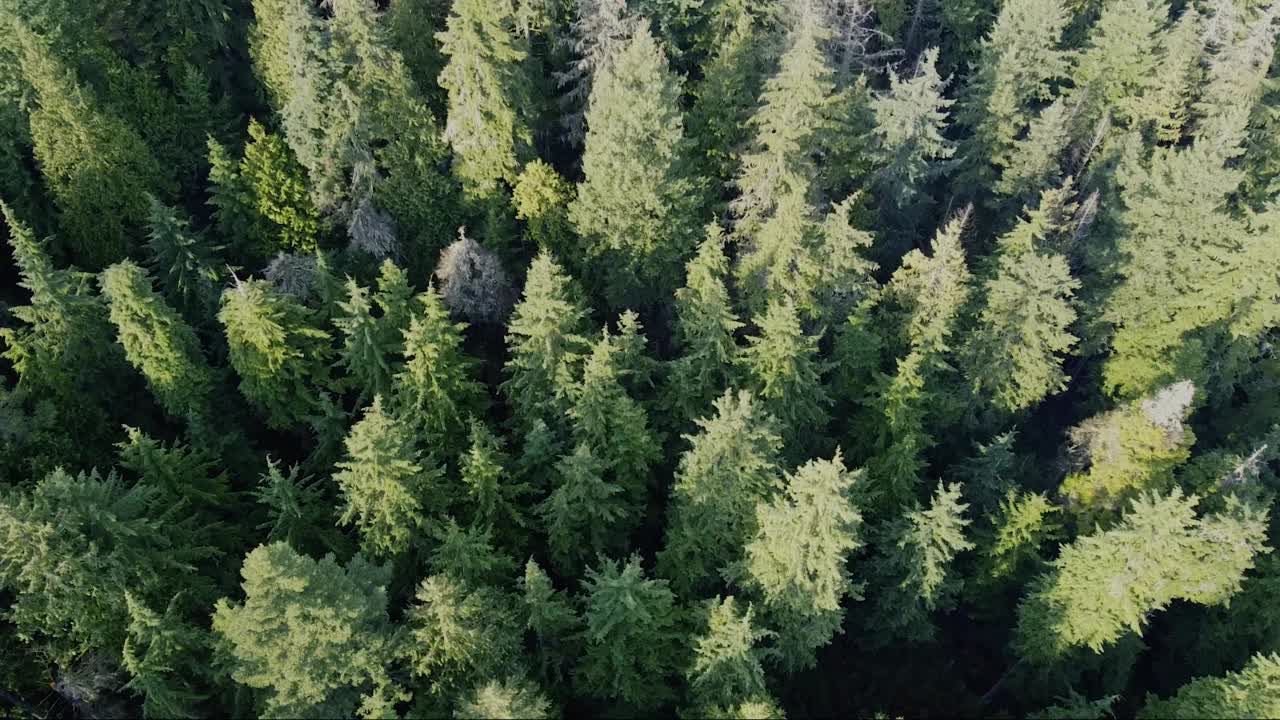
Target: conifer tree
{"x":914,"y":566}
{"x":1022,"y":524}
{"x":510,"y":698}
{"x":165,"y":657}
{"x":494,"y":499}
{"x":783,"y":368}
{"x":73,"y":545}
{"x":1107,"y":584}
{"x":725,"y":97}
{"x":1168,"y":97}
{"x":473,"y":283}
{"x":541,"y":198}
{"x":910,"y":118}
{"x":185,"y":262}
{"x":587,"y":514}
{"x":298,"y":513}
{"x":705,"y":324}
{"x":278,"y":187}
{"x":384,"y":484}
{"x":552,"y":620}
{"x":1252,"y":692}
{"x":96,"y":167}
{"x":623,"y":608}
{"x":726,"y":658}
{"x":546,"y":340}
{"x":930,"y":292}
{"x":467,"y":555}
{"x":1119,"y":63}
{"x":635,"y":206}
{"x":797,"y":558}
{"x":598,"y":33}
{"x":1017,"y":64}
{"x":158,"y":342}
{"x":64,"y":341}
{"x":1014,"y":356}
{"x":310,"y":635}
{"x":612,"y":424}
{"x":775,"y":223}
{"x":459,"y":634}
{"x":366,"y":352}
{"x":1134,"y":448}
{"x":279,"y":355}
{"x":731,"y":465}
{"x":488,"y":93}
{"x":1035,"y":160}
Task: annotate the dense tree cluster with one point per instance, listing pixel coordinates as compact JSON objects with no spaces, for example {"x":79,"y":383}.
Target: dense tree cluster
{"x":618,"y":358}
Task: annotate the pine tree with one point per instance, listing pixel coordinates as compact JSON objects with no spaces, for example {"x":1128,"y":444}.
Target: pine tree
{"x":279,"y":355}
{"x":587,"y":514}
{"x":635,"y":208}
{"x":158,"y":342}
{"x":731,"y":465}
{"x":546,"y":341}
{"x":96,"y":167}
{"x":1015,"y":355}
{"x":1107,"y":584}
{"x":624,"y":609}
{"x":705,"y":324}
{"x":310,"y":635}
{"x":510,"y":698}
{"x":1252,"y":692}
{"x":553,"y":622}
{"x":914,"y":567}
{"x":165,"y":656}
{"x":1017,"y":65}
{"x":460,"y":635}
{"x":1134,"y":448}
{"x":782,"y":367}
{"x":797,"y":558}
{"x":910,"y":118}
{"x":73,"y":545}
{"x":435,"y":392}
{"x":488,"y":93}
{"x":384,"y":484}
{"x":185,"y":262}
{"x":726,"y":658}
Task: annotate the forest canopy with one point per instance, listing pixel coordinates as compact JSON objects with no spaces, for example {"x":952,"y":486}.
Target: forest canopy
{"x":639,"y":358}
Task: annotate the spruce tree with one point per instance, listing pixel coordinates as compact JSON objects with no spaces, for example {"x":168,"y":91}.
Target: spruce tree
{"x":310,"y":635}
{"x":510,"y":698}
{"x":460,"y":635}
{"x":166,"y":657}
{"x":1035,"y":160}
{"x":1018,"y":63}
{"x":1168,"y":98}
{"x":1252,"y":692}
{"x":494,"y":499}
{"x":297,"y":509}
{"x":635,"y":208}
{"x":705,"y":324}
{"x":546,"y":341}
{"x":726,"y":657}
{"x":623,"y":608}
{"x":96,"y":167}
{"x":910,"y":118}
{"x":725,"y":97}
{"x":541,"y":198}
{"x":277,"y":187}
{"x":366,"y":352}
{"x":1021,"y":525}
{"x":435,"y":393}
{"x":598,"y":33}
{"x":1105,"y":585}
{"x":489,"y":94}
{"x":73,"y":544}
{"x":914,"y":567}
{"x":467,"y":555}
{"x":280,"y":356}
{"x":553,"y":622}
{"x":1118,"y":65}
{"x":1014,"y":357}
{"x":587,"y":514}
{"x":732,"y":464}
{"x":384,"y":484}
{"x":158,"y":342}
{"x":185,"y":262}
{"x":796,"y":560}
{"x":783,"y":369}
